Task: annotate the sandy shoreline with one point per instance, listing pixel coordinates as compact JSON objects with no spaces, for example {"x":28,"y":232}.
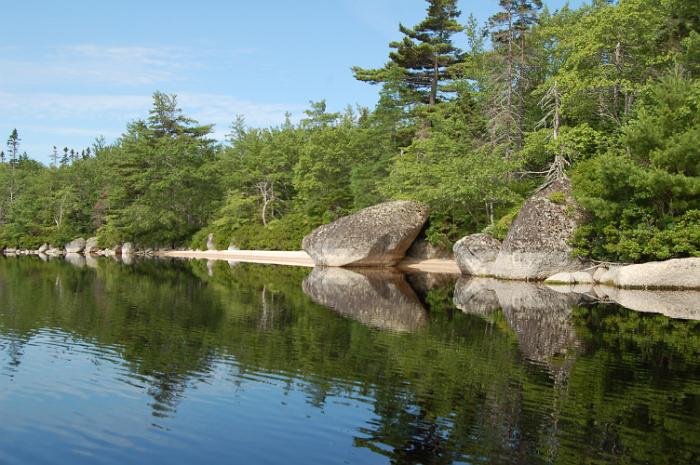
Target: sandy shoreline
{"x":301,"y":258}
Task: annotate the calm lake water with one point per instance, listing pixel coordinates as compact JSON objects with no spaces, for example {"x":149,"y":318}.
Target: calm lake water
{"x":189,"y":362}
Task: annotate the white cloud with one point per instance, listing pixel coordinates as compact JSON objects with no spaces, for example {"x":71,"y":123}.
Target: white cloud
{"x":113,"y":111}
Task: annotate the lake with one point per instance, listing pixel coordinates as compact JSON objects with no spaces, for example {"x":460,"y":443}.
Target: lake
{"x":194,"y":362}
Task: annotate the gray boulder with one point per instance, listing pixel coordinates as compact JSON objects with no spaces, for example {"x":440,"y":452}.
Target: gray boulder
{"x":536,"y":246}
{"x":210,"y":242}
{"x":476,"y":253}
{"x":127,"y":248}
{"x":375,"y":236}
{"x":75,"y":246}
{"x":382,"y":299}
{"x":43,"y":248}
{"x":91,"y":246}
{"x":679,"y":273}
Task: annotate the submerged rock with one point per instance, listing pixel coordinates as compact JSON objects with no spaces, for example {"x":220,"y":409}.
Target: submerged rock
{"x":476,"y":253}
{"x":382,"y":299}
{"x":375,"y":236}
{"x":75,"y":246}
{"x":536,"y":246}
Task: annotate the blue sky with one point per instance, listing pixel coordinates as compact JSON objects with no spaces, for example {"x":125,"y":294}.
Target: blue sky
{"x":73,"y":70}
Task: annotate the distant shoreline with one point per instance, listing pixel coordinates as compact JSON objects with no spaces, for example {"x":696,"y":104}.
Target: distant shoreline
{"x":301,"y":258}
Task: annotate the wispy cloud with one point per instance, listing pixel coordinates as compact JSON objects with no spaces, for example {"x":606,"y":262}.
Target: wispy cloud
{"x":91,"y":64}
{"x":117,"y":110}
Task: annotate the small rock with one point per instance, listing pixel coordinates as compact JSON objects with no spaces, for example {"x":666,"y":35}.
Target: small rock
{"x":476,"y":253}
{"x":43,"y":248}
{"x":127,"y":249}
{"x":90,"y":245}
{"x":75,"y":246}
{"x":561,"y":278}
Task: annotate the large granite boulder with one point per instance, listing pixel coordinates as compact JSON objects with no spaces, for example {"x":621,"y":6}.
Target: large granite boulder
{"x":679,"y":273}
{"x":476,"y":253}
{"x":75,"y":246}
{"x":382,"y":299}
{"x":375,"y":236}
{"x":91,"y":246}
{"x":537,"y":244}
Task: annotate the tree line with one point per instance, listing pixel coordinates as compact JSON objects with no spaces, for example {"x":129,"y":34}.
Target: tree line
{"x":607,"y":94}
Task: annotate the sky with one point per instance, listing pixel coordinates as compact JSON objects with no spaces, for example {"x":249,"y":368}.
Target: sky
{"x":74,"y":70}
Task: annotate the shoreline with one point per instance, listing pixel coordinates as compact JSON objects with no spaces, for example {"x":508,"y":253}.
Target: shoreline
{"x":301,"y":258}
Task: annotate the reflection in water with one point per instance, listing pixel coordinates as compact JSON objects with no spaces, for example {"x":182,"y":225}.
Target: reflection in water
{"x":539,"y":316}
{"x":379,"y":298}
{"x":177,"y":362}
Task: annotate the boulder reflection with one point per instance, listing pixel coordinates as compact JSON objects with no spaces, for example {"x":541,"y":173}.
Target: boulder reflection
{"x":379,"y":298}
{"x":539,"y":316}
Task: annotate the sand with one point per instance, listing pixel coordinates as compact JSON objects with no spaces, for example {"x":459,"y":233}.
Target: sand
{"x":300,"y":258}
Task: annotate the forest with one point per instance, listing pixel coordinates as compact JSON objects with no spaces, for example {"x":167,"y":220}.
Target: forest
{"x":607,"y":94}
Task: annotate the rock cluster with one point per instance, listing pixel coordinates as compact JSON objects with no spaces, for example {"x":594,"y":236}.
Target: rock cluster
{"x":537,"y":243}
{"x":78,"y":250}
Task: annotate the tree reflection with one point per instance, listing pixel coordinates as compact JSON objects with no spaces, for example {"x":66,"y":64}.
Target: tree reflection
{"x":605,"y":386}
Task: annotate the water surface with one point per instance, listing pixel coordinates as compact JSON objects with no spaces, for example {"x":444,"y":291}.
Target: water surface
{"x":189,"y":362}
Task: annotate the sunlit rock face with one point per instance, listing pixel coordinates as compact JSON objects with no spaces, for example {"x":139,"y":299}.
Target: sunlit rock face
{"x":75,"y":246}
{"x":537,"y":244}
{"x":539,"y":316}
{"x":476,"y":253}
{"x":382,"y":299}
{"x":375,"y":236}
{"x":91,"y":245}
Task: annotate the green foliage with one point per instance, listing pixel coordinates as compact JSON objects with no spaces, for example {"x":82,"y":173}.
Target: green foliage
{"x":644,"y":196}
{"x":609,"y":91}
{"x":557,"y":197}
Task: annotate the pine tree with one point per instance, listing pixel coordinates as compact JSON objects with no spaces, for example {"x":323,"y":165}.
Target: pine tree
{"x":421,"y":61}
{"x":65,"y":158}
{"x":13,"y":145}
{"x":54,"y":156}
{"x":509,"y":28}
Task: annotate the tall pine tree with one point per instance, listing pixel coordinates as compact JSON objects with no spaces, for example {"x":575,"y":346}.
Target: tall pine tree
{"x":420,"y":62}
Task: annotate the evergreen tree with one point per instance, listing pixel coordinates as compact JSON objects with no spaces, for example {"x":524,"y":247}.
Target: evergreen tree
{"x":13,"y":145}
{"x":421,"y":61}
